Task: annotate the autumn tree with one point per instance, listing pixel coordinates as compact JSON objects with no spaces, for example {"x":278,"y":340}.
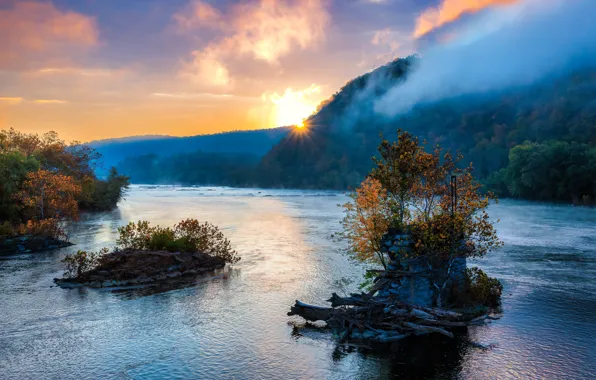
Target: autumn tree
{"x":368,"y":216}
{"x":427,"y":195}
{"x":46,"y":195}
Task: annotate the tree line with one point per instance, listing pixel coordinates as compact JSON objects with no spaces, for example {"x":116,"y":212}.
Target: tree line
{"x":46,"y":181}
{"x":554,"y":119}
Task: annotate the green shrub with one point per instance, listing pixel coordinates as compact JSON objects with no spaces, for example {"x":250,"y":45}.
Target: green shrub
{"x":135,"y":235}
{"x":187,"y":236}
{"x":161,"y":239}
{"x":206,"y":238}
{"x":78,"y":263}
{"x":483,"y":289}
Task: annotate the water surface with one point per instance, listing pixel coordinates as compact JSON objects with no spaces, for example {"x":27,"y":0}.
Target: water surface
{"x":233,"y":323}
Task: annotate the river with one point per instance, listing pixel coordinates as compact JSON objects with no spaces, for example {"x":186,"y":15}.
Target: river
{"x":233,"y":323}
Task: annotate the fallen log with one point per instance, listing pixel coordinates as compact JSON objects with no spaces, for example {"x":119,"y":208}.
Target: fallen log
{"x":310,"y":312}
{"x":421,"y":329}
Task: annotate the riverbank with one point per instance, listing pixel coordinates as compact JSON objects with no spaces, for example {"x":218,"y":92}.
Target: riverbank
{"x":29,"y":244}
{"x":135,"y":267}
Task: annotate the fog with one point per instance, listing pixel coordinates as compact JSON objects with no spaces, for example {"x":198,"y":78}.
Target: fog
{"x":499,"y":48}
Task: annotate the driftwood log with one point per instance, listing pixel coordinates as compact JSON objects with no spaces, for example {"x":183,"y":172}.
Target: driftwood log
{"x":384,"y":320}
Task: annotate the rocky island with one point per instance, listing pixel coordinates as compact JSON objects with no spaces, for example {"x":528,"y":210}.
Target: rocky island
{"x":148,"y":255}
{"x":419,"y":217}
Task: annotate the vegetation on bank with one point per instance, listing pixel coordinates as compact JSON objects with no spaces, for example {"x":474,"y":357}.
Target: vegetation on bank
{"x":551,"y":171}
{"x":47,"y":181}
{"x":138,"y":241}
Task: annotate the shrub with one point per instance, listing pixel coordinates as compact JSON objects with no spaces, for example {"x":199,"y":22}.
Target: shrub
{"x":135,"y":235}
{"x":206,"y":238}
{"x":46,"y":228}
{"x":187,"y":236}
{"x":161,"y":238}
{"x":78,"y":263}
{"x":483,"y":289}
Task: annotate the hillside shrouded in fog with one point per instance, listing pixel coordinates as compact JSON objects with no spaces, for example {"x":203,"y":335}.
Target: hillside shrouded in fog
{"x":509,"y":76}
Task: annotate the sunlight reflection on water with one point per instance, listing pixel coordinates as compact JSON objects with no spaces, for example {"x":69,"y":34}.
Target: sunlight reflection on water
{"x":233,"y":323}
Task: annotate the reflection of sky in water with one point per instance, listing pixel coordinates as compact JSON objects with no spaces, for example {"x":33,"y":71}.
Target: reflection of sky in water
{"x":233,"y":323}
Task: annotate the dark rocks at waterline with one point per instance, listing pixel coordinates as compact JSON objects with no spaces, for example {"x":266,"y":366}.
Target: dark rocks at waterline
{"x":415,"y":284}
{"x":133,"y":267}
{"x":29,"y":244}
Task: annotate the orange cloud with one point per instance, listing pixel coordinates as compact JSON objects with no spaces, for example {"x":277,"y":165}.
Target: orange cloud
{"x":451,"y":10}
{"x":39,"y":31}
{"x":196,"y":15}
{"x":50,"y":101}
{"x":265,"y":30}
{"x":11,"y":101}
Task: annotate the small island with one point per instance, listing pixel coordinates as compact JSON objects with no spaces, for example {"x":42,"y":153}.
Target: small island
{"x":418,"y":217}
{"x":148,"y":255}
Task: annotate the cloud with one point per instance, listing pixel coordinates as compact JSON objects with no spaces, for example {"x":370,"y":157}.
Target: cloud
{"x":206,"y":69}
{"x":293,"y":106}
{"x":10,"y":101}
{"x":197,"y":14}
{"x":264,"y":30}
{"x":185,"y":95}
{"x":75,"y":71}
{"x":37,"y":32}
{"x":504,"y":47}
{"x":50,"y":101}
{"x":449,"y":11}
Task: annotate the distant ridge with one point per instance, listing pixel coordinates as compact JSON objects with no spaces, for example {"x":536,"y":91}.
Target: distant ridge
{"x":254,"y":142}
{"x":116,"y":140}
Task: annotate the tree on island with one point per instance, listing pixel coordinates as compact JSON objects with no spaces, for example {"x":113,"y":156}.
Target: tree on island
{"x":410,"y":192}
{"x":411,"y":217}
{"x":149,"y":254}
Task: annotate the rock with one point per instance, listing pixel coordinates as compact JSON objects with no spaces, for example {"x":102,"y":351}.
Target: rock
{"x":141,"y":267}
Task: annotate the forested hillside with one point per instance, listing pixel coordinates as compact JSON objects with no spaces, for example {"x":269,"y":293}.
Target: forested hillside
{"x":256,"y":142}
{"x":553,"y":122}
{"x":344,"y":133}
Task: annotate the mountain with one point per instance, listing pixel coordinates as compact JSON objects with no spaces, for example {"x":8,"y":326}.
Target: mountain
{"x":343,"y":134}
{"x":255,"y":142}
{"x":534,"y":141}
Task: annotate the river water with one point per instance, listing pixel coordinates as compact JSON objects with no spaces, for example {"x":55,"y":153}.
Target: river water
{"x":233,"y":323}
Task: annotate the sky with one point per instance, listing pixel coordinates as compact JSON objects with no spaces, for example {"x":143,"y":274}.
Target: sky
{"x":94,"y":69}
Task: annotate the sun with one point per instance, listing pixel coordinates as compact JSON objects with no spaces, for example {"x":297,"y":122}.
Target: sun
{"x":294,"y":106}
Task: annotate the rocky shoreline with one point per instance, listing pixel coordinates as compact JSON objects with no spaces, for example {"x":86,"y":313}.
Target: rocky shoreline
{"x":29,"y":244}
{"x":137,"y":267}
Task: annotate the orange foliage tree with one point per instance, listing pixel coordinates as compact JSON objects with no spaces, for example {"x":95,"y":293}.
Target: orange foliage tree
{"x":367,"y":219}
{"x":410,"y":190}
{"x":50,"y":196}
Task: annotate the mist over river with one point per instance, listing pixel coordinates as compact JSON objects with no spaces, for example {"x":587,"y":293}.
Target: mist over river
{"x":233,"y":323}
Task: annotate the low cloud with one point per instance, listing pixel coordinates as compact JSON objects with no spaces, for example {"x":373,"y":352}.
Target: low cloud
{"x":39,"y":32}
{"x":504,"y":47}
{"x":10,"y":101}
{"x":449,"y":11}
{"x":264,"y":30}
{"x":50,"y":101}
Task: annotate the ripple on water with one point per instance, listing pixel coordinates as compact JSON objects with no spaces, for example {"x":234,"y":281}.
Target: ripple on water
{"x":233,"y":323}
